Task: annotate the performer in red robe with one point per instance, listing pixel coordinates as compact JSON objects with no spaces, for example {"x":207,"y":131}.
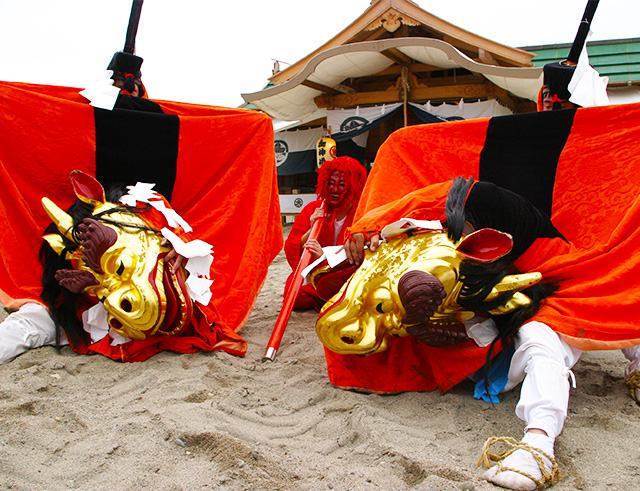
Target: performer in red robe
{"x":340,"y":183}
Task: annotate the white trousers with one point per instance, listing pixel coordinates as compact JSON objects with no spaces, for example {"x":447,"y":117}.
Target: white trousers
{"x":29,"y":327}
{"x":542,"y":362}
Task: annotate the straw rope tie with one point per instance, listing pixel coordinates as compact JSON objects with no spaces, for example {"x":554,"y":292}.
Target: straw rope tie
{"x":488,"y":459}
{"x":633,"y":383}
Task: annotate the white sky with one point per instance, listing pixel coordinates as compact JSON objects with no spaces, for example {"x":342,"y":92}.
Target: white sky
{"x":210,"y":51}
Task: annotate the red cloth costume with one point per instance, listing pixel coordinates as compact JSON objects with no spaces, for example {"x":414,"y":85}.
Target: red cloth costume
{"x":221,"y":157}
{"x":355,"y":176}
{"x":593,"y":201}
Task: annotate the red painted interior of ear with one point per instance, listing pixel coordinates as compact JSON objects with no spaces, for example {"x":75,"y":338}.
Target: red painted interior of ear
{"x":486,"y":245}
{"x":87,"y":189}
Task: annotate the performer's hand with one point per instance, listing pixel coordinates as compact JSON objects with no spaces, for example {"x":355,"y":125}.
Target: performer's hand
{"x":314,"y":247}
{"x":374,"y":242}
{"x":173,"y":259}
{"x":317,"y":213}
{"x":354,"y":248}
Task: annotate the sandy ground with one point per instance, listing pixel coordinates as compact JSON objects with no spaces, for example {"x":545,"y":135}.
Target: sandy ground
{"x":214,"y":421}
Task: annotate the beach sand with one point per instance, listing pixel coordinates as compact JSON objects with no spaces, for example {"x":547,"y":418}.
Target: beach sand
{"x":214,"y":421}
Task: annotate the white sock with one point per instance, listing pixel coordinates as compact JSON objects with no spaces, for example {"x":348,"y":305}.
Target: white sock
{"x":523,"y":461}
{"x":633,"y":353}
{"x":633,"y":366}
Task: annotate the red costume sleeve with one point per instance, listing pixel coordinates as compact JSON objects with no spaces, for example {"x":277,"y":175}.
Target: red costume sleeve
{"x":292,"y":246}
{"x":302,"y":223}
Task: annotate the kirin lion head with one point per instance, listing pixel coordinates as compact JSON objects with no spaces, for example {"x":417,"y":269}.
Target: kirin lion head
{"x":412,"y":284}
{"x":117,"y":258}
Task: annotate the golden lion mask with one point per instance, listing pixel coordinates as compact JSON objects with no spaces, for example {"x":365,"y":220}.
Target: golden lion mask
{"x":409,"y":281}
{"x":119,"y":261}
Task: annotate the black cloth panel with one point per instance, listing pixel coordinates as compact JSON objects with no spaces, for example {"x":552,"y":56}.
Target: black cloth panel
{"x":134,"y":146}
{"x":521,"y":153}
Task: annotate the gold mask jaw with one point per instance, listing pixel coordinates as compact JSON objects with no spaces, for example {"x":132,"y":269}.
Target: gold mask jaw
{"x":131,"y":286}
{"x":351,"y":330}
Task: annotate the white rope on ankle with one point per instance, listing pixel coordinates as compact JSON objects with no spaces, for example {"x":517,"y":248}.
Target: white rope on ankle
{"x":488,"y":458}
{"x":633,"y":384}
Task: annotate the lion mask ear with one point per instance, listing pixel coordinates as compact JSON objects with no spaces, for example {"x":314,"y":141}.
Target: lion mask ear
{"x":485,"y":245}
{"x":87,"y":189}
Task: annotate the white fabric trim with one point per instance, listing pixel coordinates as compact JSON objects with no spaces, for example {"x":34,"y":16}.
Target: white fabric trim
{"x":465,"y":110}
{"x":94,"y":321}
{"x":144,"y":193}
{"x":200,"y":257}
{"x":587,"y":87}
{"x":337,"y":228}
{"x":102,"y":93}
{"x":300,"y":140}
{"x":405,"y":224}
{"x":333,"y":254}
{"x":482,"y":331}
{"x":336,"y":117}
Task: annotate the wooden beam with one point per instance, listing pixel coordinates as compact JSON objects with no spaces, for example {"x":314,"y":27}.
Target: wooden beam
{"x":486,"y":57}
{"x":338,"y":89}
{"x":419,"y":93}
{"x":397,"y":56}
{"x":504,"y":98}
{"x":370,"y":84}
{"x":413,"y":68}
{"x":455,"y":92}
{"x":368,"y":35}
{"x":516,"y":104}
{"x":322,"y":88}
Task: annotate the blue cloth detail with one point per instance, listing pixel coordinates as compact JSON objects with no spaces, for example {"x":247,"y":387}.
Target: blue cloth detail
{"x":498,"y":376}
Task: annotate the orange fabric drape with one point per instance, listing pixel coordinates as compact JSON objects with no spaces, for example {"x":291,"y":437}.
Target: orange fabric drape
{"x":45,"y":132}
{"x":417,"y":156}
{"x":225,"y":187}
{"x":596,"y":206}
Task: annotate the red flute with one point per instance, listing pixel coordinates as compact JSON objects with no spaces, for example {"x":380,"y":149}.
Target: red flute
{"x":291,"y":294}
